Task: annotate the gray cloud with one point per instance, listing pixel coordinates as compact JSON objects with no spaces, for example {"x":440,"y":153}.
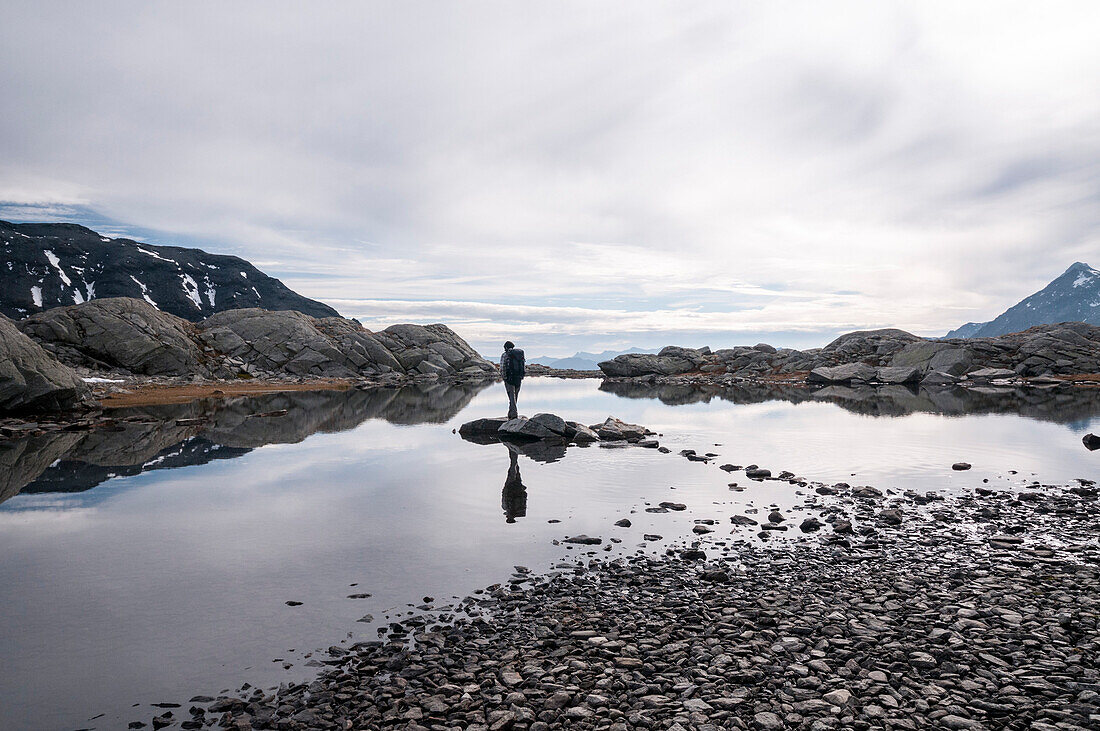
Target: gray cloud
{"x":741,"y":162}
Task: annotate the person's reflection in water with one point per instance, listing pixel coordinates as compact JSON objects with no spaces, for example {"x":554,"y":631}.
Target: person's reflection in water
{"x":513,"y":499}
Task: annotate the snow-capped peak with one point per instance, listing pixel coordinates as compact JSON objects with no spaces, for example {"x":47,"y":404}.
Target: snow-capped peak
{"x":1084,"y":272}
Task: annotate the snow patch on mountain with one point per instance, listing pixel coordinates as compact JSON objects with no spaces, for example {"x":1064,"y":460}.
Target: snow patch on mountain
{"x":56,"y":263}
{"x":155,"y":255}
{"x":191,"y":289}
{"x":144,"y":290}
{"x":1085,"y":277}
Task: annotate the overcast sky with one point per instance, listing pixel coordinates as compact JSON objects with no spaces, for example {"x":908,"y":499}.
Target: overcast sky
{"x":581,"y":175}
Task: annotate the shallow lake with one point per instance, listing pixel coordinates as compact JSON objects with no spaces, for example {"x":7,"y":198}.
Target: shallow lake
{"x":154,"y":561}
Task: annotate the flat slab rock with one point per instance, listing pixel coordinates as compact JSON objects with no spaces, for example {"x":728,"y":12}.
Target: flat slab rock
{"x":483,"y":427}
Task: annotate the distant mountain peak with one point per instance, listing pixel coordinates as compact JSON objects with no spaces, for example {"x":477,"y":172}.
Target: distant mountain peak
{"x":582,"y":361}
{"x":1074,"y":296}
{"x":1084,"y":273}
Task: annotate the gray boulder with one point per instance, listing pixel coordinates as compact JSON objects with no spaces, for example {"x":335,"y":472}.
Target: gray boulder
{"x":918,"y":354}
{"x":554,"y":423}
{"x":898,"y":374}
{"x":482,"y":427}
{"x":643,"y":364}
{"x":524,"y":428}
{"x":939,"y":378}
{"x":929,"y":355}
{"x":581,"y":433}
{"x":119,"y":333}
{"x":31,"y":380}
{"x":955,"y":361}
{"x":613,"y":429}
{"x":843,"y":373}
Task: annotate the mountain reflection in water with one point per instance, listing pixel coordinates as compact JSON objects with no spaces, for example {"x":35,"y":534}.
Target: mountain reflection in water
{"x":1058,"y":404}
{"x":149,"y":438}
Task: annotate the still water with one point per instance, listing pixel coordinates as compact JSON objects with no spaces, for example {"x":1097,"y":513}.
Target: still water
{"x":154,"y":562}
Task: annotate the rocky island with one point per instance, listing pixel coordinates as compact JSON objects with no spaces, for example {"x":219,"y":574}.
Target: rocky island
{"x":1060,"y":352}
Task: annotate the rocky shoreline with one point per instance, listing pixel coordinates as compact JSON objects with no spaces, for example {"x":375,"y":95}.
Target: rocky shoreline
{"x":61,"y":359}
{"x":882,"y":610}
{"x":1041,"y":355}
{"x":64,"y":359}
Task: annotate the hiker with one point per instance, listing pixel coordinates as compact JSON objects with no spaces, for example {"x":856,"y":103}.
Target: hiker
{"x":512,"y":368}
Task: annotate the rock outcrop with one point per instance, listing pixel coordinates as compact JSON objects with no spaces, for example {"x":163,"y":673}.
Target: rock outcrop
{"x":1055,"y":404}
{"x":31,"y":380}
{"x":284,"y":342}
{"x":885,"y":356}
{"x":432,"y":349}
{"x":119,"y":334}
{"x":669,"y":362}
{"x":131,"y":336}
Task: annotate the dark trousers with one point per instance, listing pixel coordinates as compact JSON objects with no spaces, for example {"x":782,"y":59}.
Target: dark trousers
{"x":513,"y":396}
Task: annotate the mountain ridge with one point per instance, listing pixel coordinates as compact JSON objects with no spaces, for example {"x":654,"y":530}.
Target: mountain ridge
{"x":1073,"y":296}
{"x":47,"y":265}
{"x":582,"y":360}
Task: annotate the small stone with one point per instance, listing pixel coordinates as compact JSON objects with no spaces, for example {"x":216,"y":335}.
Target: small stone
{"x":890,"y":516}
{"x":768,"y":721}
{"x":922,"y":660}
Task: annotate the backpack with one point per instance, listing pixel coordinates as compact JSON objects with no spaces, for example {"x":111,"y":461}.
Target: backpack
{"x":514,"y":366}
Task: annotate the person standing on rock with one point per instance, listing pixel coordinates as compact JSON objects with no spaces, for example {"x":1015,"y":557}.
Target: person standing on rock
{"x":512,"y":369}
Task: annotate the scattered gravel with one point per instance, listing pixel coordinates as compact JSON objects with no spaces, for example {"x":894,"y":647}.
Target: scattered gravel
{"x":899,"y":611}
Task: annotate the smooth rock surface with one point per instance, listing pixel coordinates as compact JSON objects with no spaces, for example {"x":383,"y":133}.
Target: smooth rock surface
{"x":132,"y":336}
{"x":843,"y":373}
{"x":31,"y":379}
{"x":120,"y":333}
